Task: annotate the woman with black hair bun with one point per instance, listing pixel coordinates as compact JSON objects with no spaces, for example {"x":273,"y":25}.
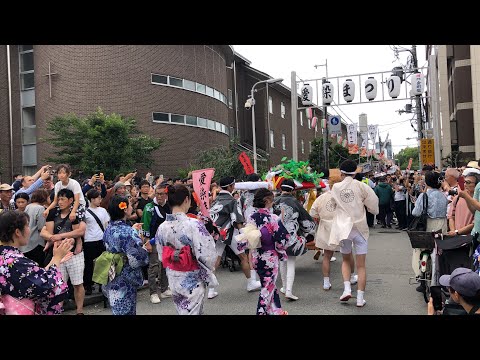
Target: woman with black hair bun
{"x":187,"y":251}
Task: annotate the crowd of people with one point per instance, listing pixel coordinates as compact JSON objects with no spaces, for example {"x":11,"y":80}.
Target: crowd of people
{"x":69,"y":238}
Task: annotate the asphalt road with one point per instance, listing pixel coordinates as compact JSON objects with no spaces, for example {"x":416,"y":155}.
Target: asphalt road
{"x":388,"y":291}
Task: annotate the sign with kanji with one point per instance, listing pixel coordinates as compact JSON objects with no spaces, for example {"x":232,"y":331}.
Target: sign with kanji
{"x":372,"y":132}
{"x":352,"y":133}
{"x":427,"y":151}
{"x":247,"y":164}
{"x":201,"y":186}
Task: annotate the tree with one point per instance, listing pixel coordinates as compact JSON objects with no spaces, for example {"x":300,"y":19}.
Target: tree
{"x":452,"y":159}
{"x":336,"y":155}
{"x":100,"y":142}
{"x":404,"y":156}
{"x":225,"y":161}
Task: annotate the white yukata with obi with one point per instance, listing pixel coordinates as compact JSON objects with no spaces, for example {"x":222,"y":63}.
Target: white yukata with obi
{"x":324,"y":208}
{"x":351,"y":196}
{"x":188,"y":287}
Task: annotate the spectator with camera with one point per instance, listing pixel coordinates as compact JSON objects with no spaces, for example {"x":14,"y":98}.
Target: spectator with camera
{"x":97,"y":182}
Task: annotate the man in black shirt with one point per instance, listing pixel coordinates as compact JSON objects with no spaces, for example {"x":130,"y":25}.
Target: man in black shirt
{"x":144,"y":199}
{"x":58,"y":226}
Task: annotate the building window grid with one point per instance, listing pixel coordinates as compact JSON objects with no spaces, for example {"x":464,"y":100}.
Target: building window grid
{"x":188,"y":120}
{"x":213,"y":93}
{"x":23,"y":73}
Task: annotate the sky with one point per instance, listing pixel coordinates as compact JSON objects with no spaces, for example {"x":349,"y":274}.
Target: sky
{"x":279,"y":61}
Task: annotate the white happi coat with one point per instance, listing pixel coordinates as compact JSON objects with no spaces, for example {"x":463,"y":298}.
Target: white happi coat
{"x":351,"y":197}
{"x":324,"y":208}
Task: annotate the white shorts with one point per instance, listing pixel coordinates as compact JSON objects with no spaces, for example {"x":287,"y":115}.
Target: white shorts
{"x":360,"y":243}
{"x":220,"y":246}
{"x":73,"y":269}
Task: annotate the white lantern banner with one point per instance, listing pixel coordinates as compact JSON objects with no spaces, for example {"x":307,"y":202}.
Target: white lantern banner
{"x":335,"y":125}
{"x":352,"y":133}
{"x":307,"y":94}
{"x":348,"y":90}
{"x":371,"y":88}
{"x":372,"y":132}
{"x":393,"y":84}
{"x":418,"y":84}
{"x":327,"y":93}
{"x":314,"y":122}
{"x":309,"y":113}
{"x":364,"y":139}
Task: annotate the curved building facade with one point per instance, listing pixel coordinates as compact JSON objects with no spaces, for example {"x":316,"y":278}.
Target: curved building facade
{"x":175,"y":92}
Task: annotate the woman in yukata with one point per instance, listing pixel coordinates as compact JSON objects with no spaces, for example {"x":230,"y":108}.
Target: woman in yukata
{"x":180,"y":236}
{"x":266,"y":258}
{"x":25,"y":287}
{"x":120,"y":238}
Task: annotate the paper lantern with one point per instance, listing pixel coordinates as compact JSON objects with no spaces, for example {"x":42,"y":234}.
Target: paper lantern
{"x":348,"y":90}
{"x":371,"y":88}
{"x":327,"y":93}
{"x":307,"y":94}
{"x":314,"y":122}
{"x":418,"y":84}
{"x":393,"y":84}
{"x":309,"y":113}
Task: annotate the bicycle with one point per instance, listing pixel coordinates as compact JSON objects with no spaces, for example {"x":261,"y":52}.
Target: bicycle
{"x":424,"y":240}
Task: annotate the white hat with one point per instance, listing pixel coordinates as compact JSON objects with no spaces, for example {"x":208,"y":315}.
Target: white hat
{"x":469,"y":171}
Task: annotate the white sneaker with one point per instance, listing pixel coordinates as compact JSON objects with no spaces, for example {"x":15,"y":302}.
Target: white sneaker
{"x":327,"y":286}
{"x":353,"y":279}
{"x":361,"y":303}
{"x":282,"y":290}
{"x":253,"y":285}
{"x":145,"y":283}
{"x":291,"y":296}
{"x":154,"y":299}
{"x":346,"y":296}
{"x":166,"y":294}
{"x":212,"y":293}
{"x":333,"y":258}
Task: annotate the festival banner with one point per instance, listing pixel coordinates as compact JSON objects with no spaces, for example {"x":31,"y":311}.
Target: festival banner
{"x":352,"y":134}
{"x":247,"y":164}
{"x":201,"y":186}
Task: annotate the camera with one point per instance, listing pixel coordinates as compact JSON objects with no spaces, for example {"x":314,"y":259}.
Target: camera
{"x":453,"y":192}
{"x":249,"y":103}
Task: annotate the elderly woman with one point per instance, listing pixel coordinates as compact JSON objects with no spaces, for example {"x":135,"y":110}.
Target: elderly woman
{"x":187,"y":251}
{"x":25,"y":287}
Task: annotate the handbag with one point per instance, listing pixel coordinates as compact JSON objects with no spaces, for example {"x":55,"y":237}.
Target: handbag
{"x":420,"y":223}
{"x":179,"y":259}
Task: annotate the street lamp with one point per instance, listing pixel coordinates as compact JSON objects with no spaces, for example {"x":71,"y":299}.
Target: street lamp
{"x":251,"y":104}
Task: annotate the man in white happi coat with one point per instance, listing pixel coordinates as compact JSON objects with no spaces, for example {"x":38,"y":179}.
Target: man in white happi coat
{"x":350,"y":226}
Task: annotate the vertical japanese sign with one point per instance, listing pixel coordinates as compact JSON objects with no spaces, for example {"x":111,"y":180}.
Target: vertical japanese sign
{"x":201,"y":186}
{"x":247,"y":164}
{"x":427,"y":151}
{"x":372,"y":132}
{"x":364,"y":139}
{"x":352,"y":134}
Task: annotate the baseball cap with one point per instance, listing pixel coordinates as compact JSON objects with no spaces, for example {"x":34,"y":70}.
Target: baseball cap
{"x":464,"y":281}
{"x":5,"y":187}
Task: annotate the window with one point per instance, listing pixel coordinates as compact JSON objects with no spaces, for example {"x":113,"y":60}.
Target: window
{"x":159,"y":79}
{"x":201,"y":88}
{"x":191,"y":120}
{"x":26,"y":61}
{"x":230,"y":99}
{"x":28,"y":81}
{"x":211,"y":124}
{"x":202,"y":122}
{"x":301,"y":118}
{"x":176,"y":81}
{"x":270,"y":105}
{"x":272,"y":139}
{"x":157,"y":116}
{"x":218,"y":126}
{"x":29,"y":135}
{"x":177,"y":119}
{"x":29,"y":155}
{"x":216,"y":94}
{"x":303,"y":147}
{"x":282,"y":110}
{"x":284,"y":146}
{"x":189,"y":85}
{"x":209,"y":91}
{"x":26,"y":47}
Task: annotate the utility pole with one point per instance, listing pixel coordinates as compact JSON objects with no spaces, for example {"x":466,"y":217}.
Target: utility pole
{"x":325,"y":138}
{"x":418,"y":102}
{"x":294,"y":105}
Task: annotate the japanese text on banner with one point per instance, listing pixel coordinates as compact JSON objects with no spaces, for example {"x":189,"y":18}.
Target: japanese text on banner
{"x":201,"y":186}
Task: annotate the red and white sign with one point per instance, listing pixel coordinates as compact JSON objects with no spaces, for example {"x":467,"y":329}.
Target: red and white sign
{"x":201,"y":186}
{"x":247,"y":164}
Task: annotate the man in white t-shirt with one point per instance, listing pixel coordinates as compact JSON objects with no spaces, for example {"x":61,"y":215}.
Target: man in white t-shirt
{"x":97,"y":219}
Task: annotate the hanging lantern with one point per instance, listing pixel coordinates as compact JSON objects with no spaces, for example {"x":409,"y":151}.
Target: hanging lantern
{"x":309,"y":113}
{"x":307,"y":94}
{"x":327,"y":93}
{"x":314,"y":122}
{"x":348,"y":90}
{"x":393,"y":84}
{"x":371,"y":88}
{"x":418,"y":84}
